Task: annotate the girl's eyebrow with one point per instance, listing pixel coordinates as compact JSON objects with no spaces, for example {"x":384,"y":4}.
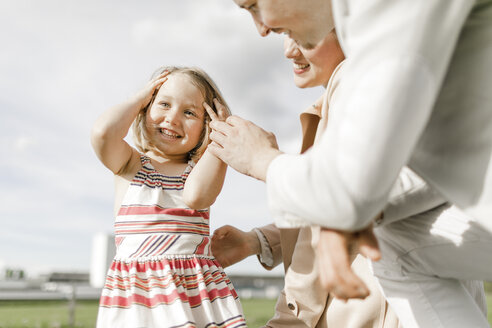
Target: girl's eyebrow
{"x":162,"y":97}
{"x":167,"y":97}
{"x":191,"y":105}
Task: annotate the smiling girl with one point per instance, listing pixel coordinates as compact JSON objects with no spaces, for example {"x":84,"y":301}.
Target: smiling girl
{"x":163,"y":274}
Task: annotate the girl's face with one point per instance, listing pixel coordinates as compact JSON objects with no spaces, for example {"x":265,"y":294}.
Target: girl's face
{"x":314,"y":67}
{"x":175,"y":120}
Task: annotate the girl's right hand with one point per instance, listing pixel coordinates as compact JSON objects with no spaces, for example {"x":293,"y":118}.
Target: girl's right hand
{"x":144,"y":96}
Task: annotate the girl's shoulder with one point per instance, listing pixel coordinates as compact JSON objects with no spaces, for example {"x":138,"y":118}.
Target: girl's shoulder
{"x":134,"y":164}
{"x":124,"y":178}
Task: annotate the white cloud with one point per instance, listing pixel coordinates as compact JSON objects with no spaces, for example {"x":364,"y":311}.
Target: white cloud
{"x":64,"y":62}
{"x":23,"y":143}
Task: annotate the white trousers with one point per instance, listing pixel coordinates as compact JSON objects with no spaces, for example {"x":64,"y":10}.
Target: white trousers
{"x":432,"y":269}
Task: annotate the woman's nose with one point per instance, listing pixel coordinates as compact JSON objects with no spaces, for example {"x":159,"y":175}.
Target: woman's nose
{"x":291,"y":49}
{"x":262,"y":28}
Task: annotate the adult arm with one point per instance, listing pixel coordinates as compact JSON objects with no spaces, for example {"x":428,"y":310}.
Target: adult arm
{"x":243,"y":145}
{"x":409,"y":196}
{"x":397,"y":52}
{"x":271,"y":250}
{"x":231,"y":245}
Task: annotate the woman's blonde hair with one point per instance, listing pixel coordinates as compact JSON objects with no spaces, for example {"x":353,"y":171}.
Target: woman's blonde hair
{"x":209,"y":91}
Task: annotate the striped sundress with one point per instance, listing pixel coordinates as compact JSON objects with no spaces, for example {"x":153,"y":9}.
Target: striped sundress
{"x":163,"y":274}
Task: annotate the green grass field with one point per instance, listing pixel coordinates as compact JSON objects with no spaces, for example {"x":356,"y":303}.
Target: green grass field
{"x":54,"y":314}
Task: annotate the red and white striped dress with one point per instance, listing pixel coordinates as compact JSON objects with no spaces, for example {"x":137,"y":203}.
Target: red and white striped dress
{"x":163,"y":274}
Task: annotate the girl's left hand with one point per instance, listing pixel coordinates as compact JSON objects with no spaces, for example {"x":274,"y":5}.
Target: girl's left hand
{"x":144,"y":96}
{"x":222,"y":111}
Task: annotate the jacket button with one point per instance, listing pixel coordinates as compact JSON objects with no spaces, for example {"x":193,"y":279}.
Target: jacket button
{"x":291,"y":306}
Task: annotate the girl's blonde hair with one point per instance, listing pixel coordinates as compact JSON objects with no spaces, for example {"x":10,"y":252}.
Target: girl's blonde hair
{"x":209,"y":91}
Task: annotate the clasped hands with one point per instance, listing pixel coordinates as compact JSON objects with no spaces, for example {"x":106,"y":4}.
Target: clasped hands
{"x":335,"y":251}
{"x":334,"y":256}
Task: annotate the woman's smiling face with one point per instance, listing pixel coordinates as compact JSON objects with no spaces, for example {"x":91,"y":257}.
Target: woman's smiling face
{"x":314,"y":67}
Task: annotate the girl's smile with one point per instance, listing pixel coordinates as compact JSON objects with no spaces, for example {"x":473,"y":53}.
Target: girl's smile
{"x":169,"y":134}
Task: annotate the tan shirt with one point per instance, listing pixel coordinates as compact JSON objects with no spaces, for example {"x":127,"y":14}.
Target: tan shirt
{"x":303,"y":303}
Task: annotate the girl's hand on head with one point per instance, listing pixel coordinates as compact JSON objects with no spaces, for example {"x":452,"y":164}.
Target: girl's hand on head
{"x":222,"y":111}
{"x":144,"y":96}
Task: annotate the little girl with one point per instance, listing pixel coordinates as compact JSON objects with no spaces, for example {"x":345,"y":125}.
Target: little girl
{"x":163,"y":274}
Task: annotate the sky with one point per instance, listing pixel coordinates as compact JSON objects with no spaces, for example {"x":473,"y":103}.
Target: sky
{"x":64,"y":62}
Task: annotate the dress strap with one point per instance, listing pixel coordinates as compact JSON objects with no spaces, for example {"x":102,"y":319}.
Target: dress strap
{"x":145,"y":160}
{"x":146,"y":164}
{"x":191,"y":165}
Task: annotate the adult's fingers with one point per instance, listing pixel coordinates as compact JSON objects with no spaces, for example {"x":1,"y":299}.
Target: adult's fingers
{"x":222,"y":127}
{"x":334,"y":262}
{"x":341,"y":281}
{"x":218,"y":138}
{"x":236,"y":120}
{"x":216,"y":150}
{"x":368,"y":245}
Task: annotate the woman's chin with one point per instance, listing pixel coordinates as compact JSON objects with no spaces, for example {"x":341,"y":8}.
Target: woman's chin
{"x":302,"y":83}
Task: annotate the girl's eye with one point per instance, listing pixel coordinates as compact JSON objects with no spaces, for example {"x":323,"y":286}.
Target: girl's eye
{"x":165,"y":104}
{"x":190,"y":113}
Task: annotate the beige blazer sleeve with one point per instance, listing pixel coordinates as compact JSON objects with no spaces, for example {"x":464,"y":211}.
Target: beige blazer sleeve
{"x":272,"y":235}
{"x":303,"y":301}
